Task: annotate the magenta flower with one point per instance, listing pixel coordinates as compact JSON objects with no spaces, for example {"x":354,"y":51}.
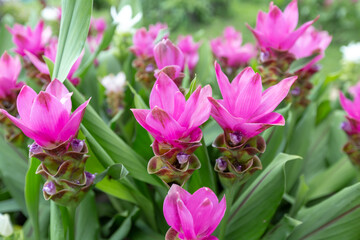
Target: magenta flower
{"x":276,"y":29}
{"x":310,"y":42}
{"x":352,"y":108}
{"x":192,"y":217}
{"x":33,"y":41}
{"x":50,"y":52}
{"x":246,"y":110}
{"x":144,"y":40}
{"x":10,"y":68}
{"x":167,"y":55}
{"x":171,"y":118}
{"x":229,"y":51}
{"x":190,"y":50}
{"x":45,"y":117}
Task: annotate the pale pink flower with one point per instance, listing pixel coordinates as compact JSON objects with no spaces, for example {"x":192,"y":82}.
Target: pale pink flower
{"x":229,"y":51}
{"x":10,"y":68}
{"x":190,"y":50}
{"x":171,"y":118}
{"x":276,"y":29}
{"x":246,"y":110}
{"x":46,"y":117}
{"x":193,"y":216}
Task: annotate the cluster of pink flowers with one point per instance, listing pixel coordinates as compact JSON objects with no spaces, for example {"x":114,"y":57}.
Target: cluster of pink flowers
{"x":96,"y":33}
{"x":10,"y":68}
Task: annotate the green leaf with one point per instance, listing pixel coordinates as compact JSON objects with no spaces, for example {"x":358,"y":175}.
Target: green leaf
{"x":74,"y":29}
{"x":125,"y":227}
{"x":49,"y":64}
{"x":162,"y":33}
{"x":283,"y":229}
{"x":252,"y":211}
{"x":116,"y":171}
{"x":87,"y":223}
{"x":335,"y":218}
{"x":9,"y":205}
{"x":57,"y":231}
{"x":301,"y":63}
{"x":301,"y":196}
{"x":191,"y":89}
{"x":32,"y":195}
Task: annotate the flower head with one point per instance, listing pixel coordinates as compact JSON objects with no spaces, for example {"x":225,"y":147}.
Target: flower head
{"x":228,"y":49}
{"x":50,"y":52}
{"x":276,"y":29}
{"x":124,"y":18}
{"x":33,"y":41}
{"x":190,"y":50}
{"x":46,"y":117}
{"x":144,"y":40}
{"x":246,"y":110}
{"x":351,"y":52}
{"x":114,"y":83}
{"x":310,"y":42}
{"x":10,"y":68}
{"x":352,"y":108}
{"x":171,"y":118}
{"x":193,"y":216}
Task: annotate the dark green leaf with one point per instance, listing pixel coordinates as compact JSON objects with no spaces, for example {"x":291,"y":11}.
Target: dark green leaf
{"x":116,"y":171}
{"x":301,"y":63}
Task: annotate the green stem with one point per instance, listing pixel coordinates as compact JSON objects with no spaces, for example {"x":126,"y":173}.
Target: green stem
{"x":229,"y":194}
{"x":71,"y":222}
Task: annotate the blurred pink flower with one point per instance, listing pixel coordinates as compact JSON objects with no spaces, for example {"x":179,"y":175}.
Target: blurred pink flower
{"x":50,"y":52}
{"x":10,"y":68}
{"x":246,"y":110}
{"x":190,"y":50}
{"x":309,"y":42}
{"x":228,"y":50}
{"x":33,"y":41}
{"x":352,"y":108}
{"x":193,"y":216}
{"x":45,"y":117}
{"x":144,"y":40}
{"x":276,"y":29}
{"x":96,"y":33}
{"x":171,"y":118}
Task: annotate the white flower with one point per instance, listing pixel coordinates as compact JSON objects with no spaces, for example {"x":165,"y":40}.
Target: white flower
{"x":351,"y":52}
{"x":124,"y":19}
{"x":115,"y":84}
{"x":51,"y":13}
{"x":6,"y":228}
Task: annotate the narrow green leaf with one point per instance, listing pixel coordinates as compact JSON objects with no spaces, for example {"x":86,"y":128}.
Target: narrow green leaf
{"x":32,"y":194}
{"x":125,"y":227}
{"x":252,"y":211}
{"x":302,"y":62}
{"x":283,"y":229}
{"x":162,"y":33}
{"x":192,"y":88}
{"x":49,"y":64}
{"x":57,"y":231}
{"x":116,"y":171}
{"x":301,"y":196}
{"x":9,"y":205}
{"x":74,"y":28}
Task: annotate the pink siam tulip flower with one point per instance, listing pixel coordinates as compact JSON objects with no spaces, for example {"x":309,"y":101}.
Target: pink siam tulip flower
{"x":46,"y":117}
{"x":10,"y":68}
{"x":96,"y":33}
{"x":33,"y":41}
{"x":50,"y":52}
{"x":172,"y":119}
{"x":229,"y":51}
{"x":310,"y":42}
{"x":168,"y":56}
{"x":276,"y":29}
{"x":246,"y":110}
{"x":144,"y":40}
{"x":195,"y":216}
{"x":352,"y":108}
{"x":190,"y":50}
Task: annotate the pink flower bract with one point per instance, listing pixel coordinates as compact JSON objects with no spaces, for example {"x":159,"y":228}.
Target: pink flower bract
{"x":10,"y":68}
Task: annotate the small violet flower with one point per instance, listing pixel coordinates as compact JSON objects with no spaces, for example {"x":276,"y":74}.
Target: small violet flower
{"x":10,"y":68}
{"x":276,"y":29}
{"x":192,"y":217}
{"x":144,"y":40}
{"x":50,"y":52}
{"x":124,"y":18}
{"x":310,"y":42}
{"x":190,"y":50}
{"x":172,"y":119}
{"x":229,"y":51}
{"x":33,"y":41}
{"x":352,"y":108}
{"x":46,"y":117}
{"x":246,"y":110}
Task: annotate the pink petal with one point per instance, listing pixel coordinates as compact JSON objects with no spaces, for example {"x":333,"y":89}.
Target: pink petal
{"x":166,"y":53}
{"x":140,"y":116}
{"x":10,"y":67}
{"x":186,"y":219}
{"x":41,"y":66}
{"x":72,"y":126}
{"x":58,"y":90}
{"x":273,"y":96}
{"x":291,"y":39}
{"x":197,"y":108}
{"x":225,"y":87}
{"x":261,"y":39}
{"x":272,"y":118}
{"x":24,"y":103}
{"x":349,"y":107}
{"x":291,"y":15}
{"x":165,"y":124}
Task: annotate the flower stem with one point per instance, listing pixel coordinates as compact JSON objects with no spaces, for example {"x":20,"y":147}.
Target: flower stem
{"x":229,"y":194}
{"x":71,"y":222}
